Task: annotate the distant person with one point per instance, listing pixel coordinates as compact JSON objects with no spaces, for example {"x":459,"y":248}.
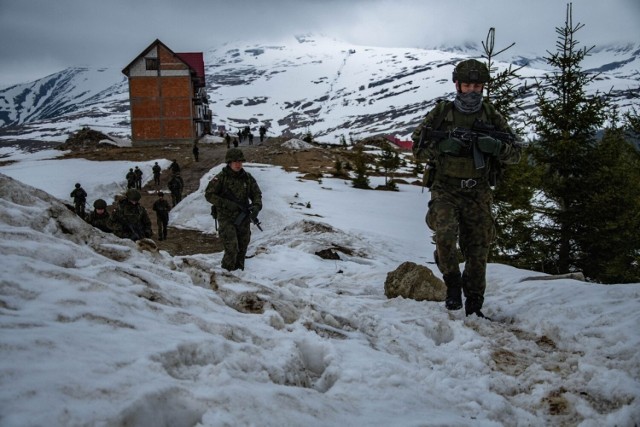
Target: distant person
{"x":237,"y":200}
{"x":196,"y":152}
{"x":79,"y":199}
{"x":174,"y":167}
{"x":100,"y":218}
{"x":263,"y":132}
{"x":138,"y":174}
{"x":235,"y":143}
{"x":131,"y":178}
{"x":156,"y":173}
{"x":130,"y":220}
{"x":227,"y":140}
{"x":162,"y":208}
{"x":250,"y":136}
{"x":176,"y":185}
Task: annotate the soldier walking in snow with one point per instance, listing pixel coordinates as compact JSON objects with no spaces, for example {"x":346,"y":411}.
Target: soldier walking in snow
{"x":237,"y":200}
{"x":79,"y":199}
{"x":462,"y":172}
{"x":156,"y":173}
{"x":138,"y":178}
{"x":162,"y":208}
{"x":100,"y":218}
{"x":130,"y":220}
{"x":176,"y":185}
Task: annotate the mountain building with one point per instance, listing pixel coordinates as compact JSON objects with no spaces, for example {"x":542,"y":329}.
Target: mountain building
{"x":167,"y":94}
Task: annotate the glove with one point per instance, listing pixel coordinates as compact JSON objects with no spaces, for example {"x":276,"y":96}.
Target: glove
{"x":253,"y":212}
{"x":451,"y":146}
{"x":489,"y":145}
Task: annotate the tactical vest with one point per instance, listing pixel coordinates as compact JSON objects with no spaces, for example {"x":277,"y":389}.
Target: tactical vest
{"x":461,"y":166}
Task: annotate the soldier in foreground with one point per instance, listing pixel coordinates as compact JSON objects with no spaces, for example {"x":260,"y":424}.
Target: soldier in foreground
{"x":130,"y":220}
{"x":465,"y":143}
{"x":237,"y":201}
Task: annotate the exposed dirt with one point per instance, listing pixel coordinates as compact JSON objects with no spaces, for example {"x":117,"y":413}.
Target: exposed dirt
{"x":311,"y":163}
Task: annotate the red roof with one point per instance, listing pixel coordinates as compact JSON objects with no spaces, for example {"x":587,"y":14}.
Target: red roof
{"x":405,"y":145}
{"x":195,"y":60}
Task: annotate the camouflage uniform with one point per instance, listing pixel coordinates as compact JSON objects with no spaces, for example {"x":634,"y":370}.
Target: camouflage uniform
{"x":130,"y":220}
{"x":230,"y":193}
{"x":79,"y":199}
{"x":162,"y":208}
{"x":100,"y":220}
{"x":459,"y":211}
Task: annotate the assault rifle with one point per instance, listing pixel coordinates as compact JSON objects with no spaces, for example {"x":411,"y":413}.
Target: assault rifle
{"x":245,"y":210}
{"x":469,"y":137}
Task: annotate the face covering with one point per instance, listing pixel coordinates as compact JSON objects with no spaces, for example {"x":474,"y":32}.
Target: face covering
{"x":468,"y":102}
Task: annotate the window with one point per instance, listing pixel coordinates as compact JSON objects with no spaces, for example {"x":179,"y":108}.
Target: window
{"x":151,"y":63}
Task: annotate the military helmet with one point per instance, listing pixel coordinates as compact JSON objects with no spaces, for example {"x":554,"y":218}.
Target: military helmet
{"x":471,"y":71}
{"x":100,"y":204}
{"x":133,"y":194}
{"x":235,"y":155}
{"x":77,"y":185}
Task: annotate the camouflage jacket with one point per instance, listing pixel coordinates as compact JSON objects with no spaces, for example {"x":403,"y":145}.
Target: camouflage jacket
{"x":231,"y":191}
{"x":161,"y":207}
{"x":103,"y":222}
{"x":449,"y":119}
{"x":130,"y":221}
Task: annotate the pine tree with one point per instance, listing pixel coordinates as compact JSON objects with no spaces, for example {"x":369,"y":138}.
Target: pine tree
{"x":609,"y":218}
{"x":512,"y":196}
{"x":361,"y":180}
{"x":566,"y":125}
{"x":389,"y":160}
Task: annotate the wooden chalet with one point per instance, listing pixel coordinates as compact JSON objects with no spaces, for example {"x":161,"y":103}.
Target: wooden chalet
{"x":168,"y":98}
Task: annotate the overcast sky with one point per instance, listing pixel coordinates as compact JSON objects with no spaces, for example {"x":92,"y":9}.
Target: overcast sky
{"x":40,"y":37}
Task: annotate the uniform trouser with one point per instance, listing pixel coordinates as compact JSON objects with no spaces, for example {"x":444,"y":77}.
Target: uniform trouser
{"x":162,"y":221}
{"x":156,"y":179}
{"x":175,"y":198}
{"x":463,"y":216}
{"x":235,"y":240}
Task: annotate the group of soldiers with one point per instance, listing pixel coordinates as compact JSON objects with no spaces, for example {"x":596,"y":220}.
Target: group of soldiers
{"x":129,"y":218}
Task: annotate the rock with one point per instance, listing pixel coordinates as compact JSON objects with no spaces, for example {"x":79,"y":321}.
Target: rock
{"x":414,"y":281}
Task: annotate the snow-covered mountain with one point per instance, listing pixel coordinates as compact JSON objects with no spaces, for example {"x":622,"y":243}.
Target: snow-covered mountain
{"x":308,"y":83}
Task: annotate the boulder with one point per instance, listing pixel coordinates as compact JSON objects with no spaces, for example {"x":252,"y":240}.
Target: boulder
{"x":414,"y":281}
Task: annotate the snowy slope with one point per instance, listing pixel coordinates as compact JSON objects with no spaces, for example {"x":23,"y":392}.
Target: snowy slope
{"x":307,"y":83}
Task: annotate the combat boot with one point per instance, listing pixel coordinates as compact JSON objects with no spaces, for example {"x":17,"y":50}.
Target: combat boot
{"x":472,"y":305}
{"x":454,"y":291}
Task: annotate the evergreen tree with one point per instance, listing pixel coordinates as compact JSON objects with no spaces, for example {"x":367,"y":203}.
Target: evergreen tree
{"x":513,"y":194}
{"x":609,"y":234}
{"x":566,"y":125}
{"x":361,"y":180}
{"x":389,"y":160}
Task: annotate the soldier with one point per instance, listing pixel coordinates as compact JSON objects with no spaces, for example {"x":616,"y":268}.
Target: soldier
{"x":196,"y":152}
{"x":237,"y":199}
{"x":176,"y":185}
{"x":79,"y":199}
{"x":156,"y":173}
{"x":131,"y":179}
{"x":263,"y":132}
{"x":138,"y":174}
{"x":99,"y":218}
{"x":227,"y":140}
{"x":174,"y":167}
{"x":162,"y":208}
{"x":130,"y":220}
{"x":461,"y":197}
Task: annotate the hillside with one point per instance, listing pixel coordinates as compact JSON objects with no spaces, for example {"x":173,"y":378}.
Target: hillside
{"x":98,"y":330}
{"x":309,"y":83}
